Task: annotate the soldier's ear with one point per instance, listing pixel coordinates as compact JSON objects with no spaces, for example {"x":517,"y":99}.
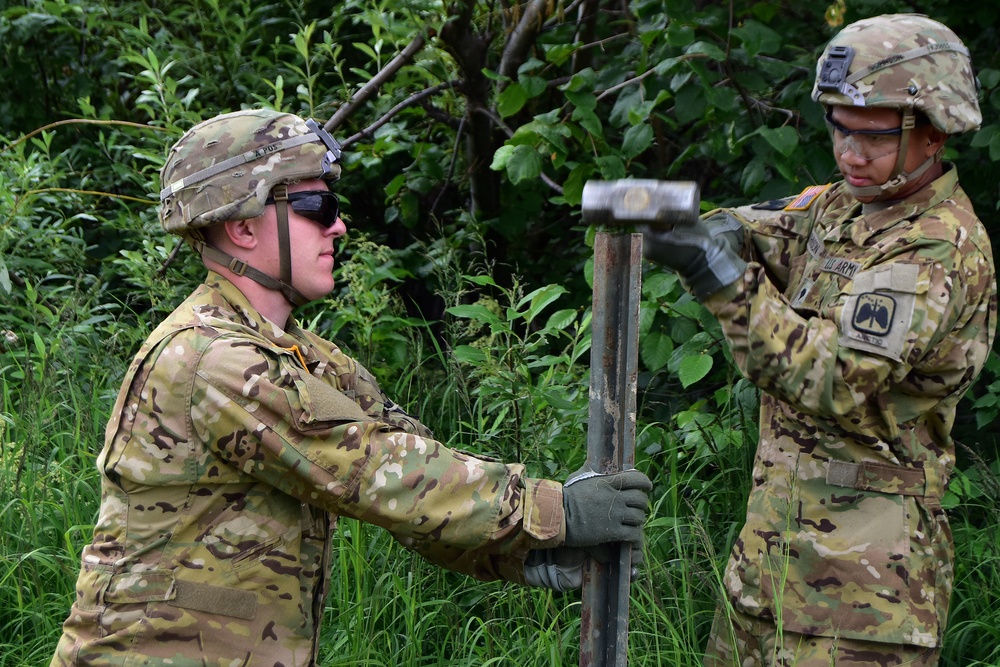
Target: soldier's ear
{"x":242,"y":233}
{"x":935,"y":141}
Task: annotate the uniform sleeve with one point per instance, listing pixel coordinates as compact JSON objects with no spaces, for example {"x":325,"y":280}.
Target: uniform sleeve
{"x":264,"y":414}
{"x":911,"y":309}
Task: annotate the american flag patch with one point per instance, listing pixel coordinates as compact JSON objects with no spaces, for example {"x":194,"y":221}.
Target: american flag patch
{"x":806,"y":197}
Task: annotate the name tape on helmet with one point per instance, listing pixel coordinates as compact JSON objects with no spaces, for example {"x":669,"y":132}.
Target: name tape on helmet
{"x":252,"y":156}
{"x":908,"y":55}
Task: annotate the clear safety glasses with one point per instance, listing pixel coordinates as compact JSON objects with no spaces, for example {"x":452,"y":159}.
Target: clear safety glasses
{"x":321,"y":206}
{"x":866,"y":144}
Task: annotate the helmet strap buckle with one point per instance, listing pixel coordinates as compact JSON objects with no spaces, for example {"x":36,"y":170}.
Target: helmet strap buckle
{"x":238,"y":266}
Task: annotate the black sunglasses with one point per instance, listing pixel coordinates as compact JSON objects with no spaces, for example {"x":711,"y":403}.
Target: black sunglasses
{"x":321,"y":206}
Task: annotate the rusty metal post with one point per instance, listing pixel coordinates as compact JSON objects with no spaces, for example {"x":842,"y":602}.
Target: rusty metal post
{"x":611,"y":434}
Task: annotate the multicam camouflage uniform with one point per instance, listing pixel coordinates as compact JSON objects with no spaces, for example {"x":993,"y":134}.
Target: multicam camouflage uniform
{"x":232,"y":449}
{"x":863,"y":326}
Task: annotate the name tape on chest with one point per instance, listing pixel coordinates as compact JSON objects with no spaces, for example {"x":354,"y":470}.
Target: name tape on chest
{"x":842,"y":267}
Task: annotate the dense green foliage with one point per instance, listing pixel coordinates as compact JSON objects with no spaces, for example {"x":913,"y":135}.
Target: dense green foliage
{"x":467,"y":291}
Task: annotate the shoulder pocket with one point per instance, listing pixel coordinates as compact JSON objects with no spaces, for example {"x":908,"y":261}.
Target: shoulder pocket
{"x":322,"y":403}
{"x":878,"y":312}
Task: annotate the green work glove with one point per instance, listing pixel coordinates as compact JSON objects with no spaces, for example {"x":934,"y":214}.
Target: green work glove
{"x":705,"y":255}
{"x":560,"y":569}
{"x":602,"y":508}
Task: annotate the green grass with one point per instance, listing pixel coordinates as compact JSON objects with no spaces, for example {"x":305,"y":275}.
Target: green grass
{"x":389,"y":607}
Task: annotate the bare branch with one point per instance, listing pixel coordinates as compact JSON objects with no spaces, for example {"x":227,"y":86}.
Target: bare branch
{"x":375,"y":83}
{"x":85,"y":121}
{"x":451,"y":168}
{"x":409,"y":101}
{"x":522,"y":38}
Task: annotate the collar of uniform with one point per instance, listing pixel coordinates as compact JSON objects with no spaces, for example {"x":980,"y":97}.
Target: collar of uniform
{"x":286,"y":338}
{"x":927,"y":197}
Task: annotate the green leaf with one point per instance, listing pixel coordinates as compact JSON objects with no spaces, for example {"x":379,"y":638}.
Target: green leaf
{"x":475,"y":312}
{"x":989,"y":78}
{"x":493,"y":76}
{"x":561,"y":319}
{"x":707,"y":49}
{"x":39,"y":344}
{"x":573,"y":185}
{"x":511,"y":100}
{"x":783,"y":139}
{"x":691,"y":104}
{"x":480,"y":280}
{"x":758,"y":38}
{"x":556,"y":400}
{"x":995,"y":149}
{"x":5,"y":283}
{"x":611,"y":167}
{"x":557,"y":54}
{"x":658,"y":284}
{"x":582,"y":81}
{"x":985,"y":136}
{"x":637,"y":139}
{"x":754,"y":174}
{"x":501,"y":157}
{"x":533,"y":85}
{"x":589,"y":120}
{"x":582,"y":99}
{"x":540,"y":298}
{"x":693,"y":368}
{"x":679,"y":34}
{"x":468,"y":354}
{"x":524,"y":164}
{"x":655,"y":349}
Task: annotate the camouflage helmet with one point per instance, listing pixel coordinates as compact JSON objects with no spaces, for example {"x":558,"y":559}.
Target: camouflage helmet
{"x":223,"y":168}
{"x":901,"y":61}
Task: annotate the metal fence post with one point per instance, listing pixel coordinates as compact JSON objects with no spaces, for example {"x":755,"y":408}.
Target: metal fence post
{"x":611,"y":434}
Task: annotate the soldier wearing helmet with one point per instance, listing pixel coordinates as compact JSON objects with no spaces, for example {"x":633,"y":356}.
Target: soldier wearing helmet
{"x":863,"y":310}
{"x":238,"y":438}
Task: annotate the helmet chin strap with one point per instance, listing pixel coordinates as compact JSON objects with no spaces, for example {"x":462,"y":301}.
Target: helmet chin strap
{"x":241,"y":268}
{"x":899,"y":178}
{"x":294,"y":297}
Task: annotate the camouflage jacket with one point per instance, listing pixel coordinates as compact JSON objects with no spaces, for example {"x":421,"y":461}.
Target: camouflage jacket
{"x":863,"y":329}
{"x":231,"y":450}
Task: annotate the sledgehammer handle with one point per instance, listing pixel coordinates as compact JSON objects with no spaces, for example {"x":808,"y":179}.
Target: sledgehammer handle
{"x":611,"y":434}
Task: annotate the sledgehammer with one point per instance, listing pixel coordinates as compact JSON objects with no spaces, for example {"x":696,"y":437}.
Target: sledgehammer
{"x":613,"y":374}
{"x":640,"y":201}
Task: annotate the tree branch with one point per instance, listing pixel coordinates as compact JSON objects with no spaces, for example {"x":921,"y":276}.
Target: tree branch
{"x":409,"y":101}
{"x":375,"y":83}
{"x":522,"y":38}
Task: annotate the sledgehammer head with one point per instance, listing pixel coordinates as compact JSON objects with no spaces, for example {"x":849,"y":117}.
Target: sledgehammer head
{"x":662,"y":204}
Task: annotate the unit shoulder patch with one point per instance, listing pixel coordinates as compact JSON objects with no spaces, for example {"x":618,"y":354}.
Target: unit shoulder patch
{"x":877,"y":314}
{"x":873,"y":314}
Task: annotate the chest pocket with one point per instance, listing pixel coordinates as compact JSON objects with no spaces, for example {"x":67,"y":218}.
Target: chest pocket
{"x":322,"y":404}
{"x":878,"y":312}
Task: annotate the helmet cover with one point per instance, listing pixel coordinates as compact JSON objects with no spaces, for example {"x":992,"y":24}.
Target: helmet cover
{"x":224,"y":168}
{"x":901,"y":61}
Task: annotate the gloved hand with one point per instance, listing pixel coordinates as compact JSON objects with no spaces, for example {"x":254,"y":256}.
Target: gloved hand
{"x":561,"y":569}
{"x":603,"y":508}
{"x":705,"y":255}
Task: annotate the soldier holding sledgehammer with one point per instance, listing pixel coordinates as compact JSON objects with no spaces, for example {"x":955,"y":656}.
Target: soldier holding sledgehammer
{"x":863,"y":310}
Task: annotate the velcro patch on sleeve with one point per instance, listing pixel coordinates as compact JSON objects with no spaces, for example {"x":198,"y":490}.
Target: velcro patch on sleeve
{"x":877,"y":315}
{"x":805,"y":199}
